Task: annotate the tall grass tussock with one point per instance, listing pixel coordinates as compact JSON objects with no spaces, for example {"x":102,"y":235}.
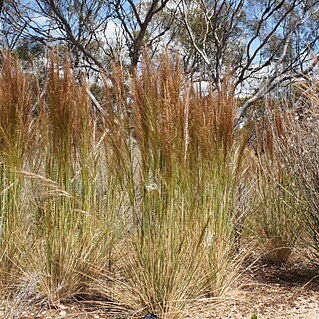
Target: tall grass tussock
{"x":140,"y":204}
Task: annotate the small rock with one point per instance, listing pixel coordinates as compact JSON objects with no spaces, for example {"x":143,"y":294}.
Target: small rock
{"x":63,"y":307}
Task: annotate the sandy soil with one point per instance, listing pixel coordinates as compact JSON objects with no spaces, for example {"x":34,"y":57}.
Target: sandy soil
{"x":269,"y":292}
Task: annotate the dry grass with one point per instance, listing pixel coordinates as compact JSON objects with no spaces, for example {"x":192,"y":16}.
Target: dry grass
{"x":299,"y":150}
{"x":141,"y":205}
{"x":275,"y":223}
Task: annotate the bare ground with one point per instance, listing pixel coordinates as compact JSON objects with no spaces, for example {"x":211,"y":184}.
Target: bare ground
{"x":270,"y":292}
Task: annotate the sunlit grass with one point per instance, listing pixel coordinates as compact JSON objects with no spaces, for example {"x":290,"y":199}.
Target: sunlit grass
{"x":141,"y":205}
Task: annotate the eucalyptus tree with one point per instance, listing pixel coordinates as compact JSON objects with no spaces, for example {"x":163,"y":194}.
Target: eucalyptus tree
{"x":140,"y":27}
{"x":84,"y":27}
{"x":265,"y":43}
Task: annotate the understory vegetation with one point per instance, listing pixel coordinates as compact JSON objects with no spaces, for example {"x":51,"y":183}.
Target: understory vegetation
{"x":155,"y":200}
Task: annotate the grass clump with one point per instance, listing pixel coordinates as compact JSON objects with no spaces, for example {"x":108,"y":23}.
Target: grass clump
{"x":15,"y":137}
{"x":50,"y":195}
{"x":186,"y":169}
{"x":142,"y":204}
{"x":275,"y":222}
{"x":299,"y":150}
